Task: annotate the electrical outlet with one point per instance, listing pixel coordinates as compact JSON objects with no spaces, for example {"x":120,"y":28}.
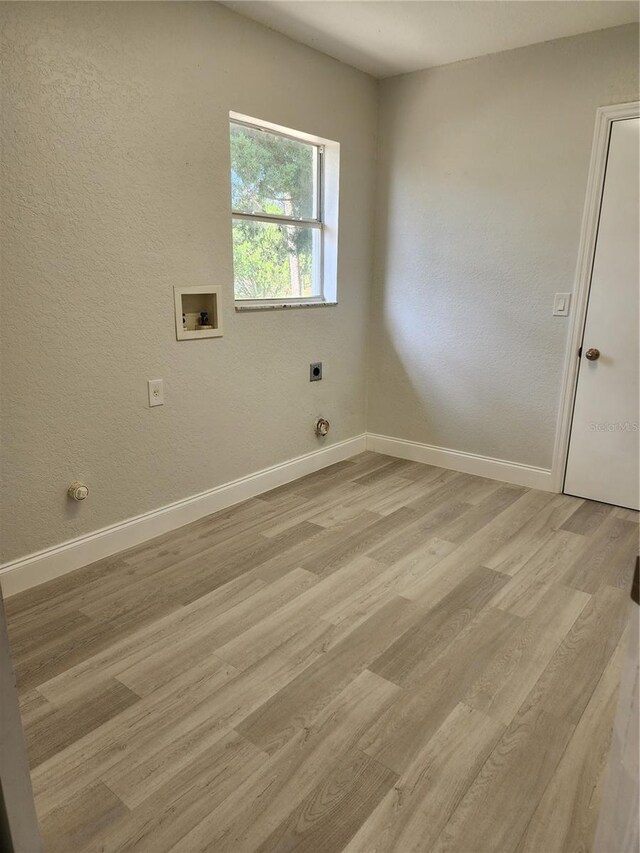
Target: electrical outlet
{"x":315,"y":371}
{"x":156,"y":392}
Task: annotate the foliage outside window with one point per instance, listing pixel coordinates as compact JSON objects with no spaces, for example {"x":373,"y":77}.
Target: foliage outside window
{"x":278,"y":229}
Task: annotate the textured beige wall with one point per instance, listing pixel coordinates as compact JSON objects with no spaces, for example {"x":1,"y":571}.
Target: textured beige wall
{"x":115,"y":188}
{"x":483,"y":170}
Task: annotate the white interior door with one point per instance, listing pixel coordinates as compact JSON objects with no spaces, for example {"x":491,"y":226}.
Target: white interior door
{"x":603,"y":461}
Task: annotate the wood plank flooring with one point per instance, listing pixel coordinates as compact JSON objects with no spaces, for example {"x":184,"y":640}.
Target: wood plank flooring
{"x":381,"y":657}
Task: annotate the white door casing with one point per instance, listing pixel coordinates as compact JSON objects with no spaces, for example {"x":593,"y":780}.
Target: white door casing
{"x":603,"y":458}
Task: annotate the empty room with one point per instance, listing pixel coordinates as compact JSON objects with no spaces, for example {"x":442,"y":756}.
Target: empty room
{"x":319,"y":426}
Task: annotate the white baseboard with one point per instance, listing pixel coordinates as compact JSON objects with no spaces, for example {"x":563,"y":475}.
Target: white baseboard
{"x":467,"y":463}
{"x":35,"y":569}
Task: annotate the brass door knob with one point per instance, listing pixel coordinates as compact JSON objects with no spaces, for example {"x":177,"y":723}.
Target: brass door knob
{"x":592,"y":354}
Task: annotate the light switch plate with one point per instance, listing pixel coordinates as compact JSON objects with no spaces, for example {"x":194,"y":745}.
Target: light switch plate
{"x":561,"y":304}
{"x":156,"y":392}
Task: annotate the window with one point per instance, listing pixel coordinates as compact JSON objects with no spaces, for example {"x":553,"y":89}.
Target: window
{"x":283,"y":185}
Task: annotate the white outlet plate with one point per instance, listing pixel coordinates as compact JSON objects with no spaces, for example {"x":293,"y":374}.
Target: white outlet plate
{"x":156,"y":392}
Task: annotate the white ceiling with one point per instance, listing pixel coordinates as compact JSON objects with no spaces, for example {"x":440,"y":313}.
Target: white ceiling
{"x":387,"y":37}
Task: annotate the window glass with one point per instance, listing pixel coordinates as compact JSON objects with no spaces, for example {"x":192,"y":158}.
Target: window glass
{"x":272,"y":174}
{"x":275,"y":261}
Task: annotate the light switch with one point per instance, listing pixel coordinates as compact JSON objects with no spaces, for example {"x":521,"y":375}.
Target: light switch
{"x":561,"y":304}
{"x":156,"y":392}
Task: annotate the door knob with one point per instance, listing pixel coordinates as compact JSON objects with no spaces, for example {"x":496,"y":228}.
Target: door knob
{"x":592,"y":354}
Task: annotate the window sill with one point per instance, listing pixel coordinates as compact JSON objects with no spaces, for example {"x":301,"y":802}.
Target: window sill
{"x":256,"y":306}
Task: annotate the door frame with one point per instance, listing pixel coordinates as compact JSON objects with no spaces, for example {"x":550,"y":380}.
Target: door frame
{"x":605,"y":116}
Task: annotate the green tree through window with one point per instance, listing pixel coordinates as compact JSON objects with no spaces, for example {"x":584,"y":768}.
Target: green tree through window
{"x":276,"y":233}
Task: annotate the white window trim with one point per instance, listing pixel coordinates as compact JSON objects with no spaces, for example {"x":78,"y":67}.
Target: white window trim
{"x":328,"y":203}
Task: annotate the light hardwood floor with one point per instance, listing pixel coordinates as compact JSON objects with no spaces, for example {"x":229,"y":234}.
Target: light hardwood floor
{"x":382,"y":656}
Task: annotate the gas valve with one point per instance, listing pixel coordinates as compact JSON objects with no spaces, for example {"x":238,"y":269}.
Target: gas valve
{"x":77,"y":491}
{"x":322,"y":426}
